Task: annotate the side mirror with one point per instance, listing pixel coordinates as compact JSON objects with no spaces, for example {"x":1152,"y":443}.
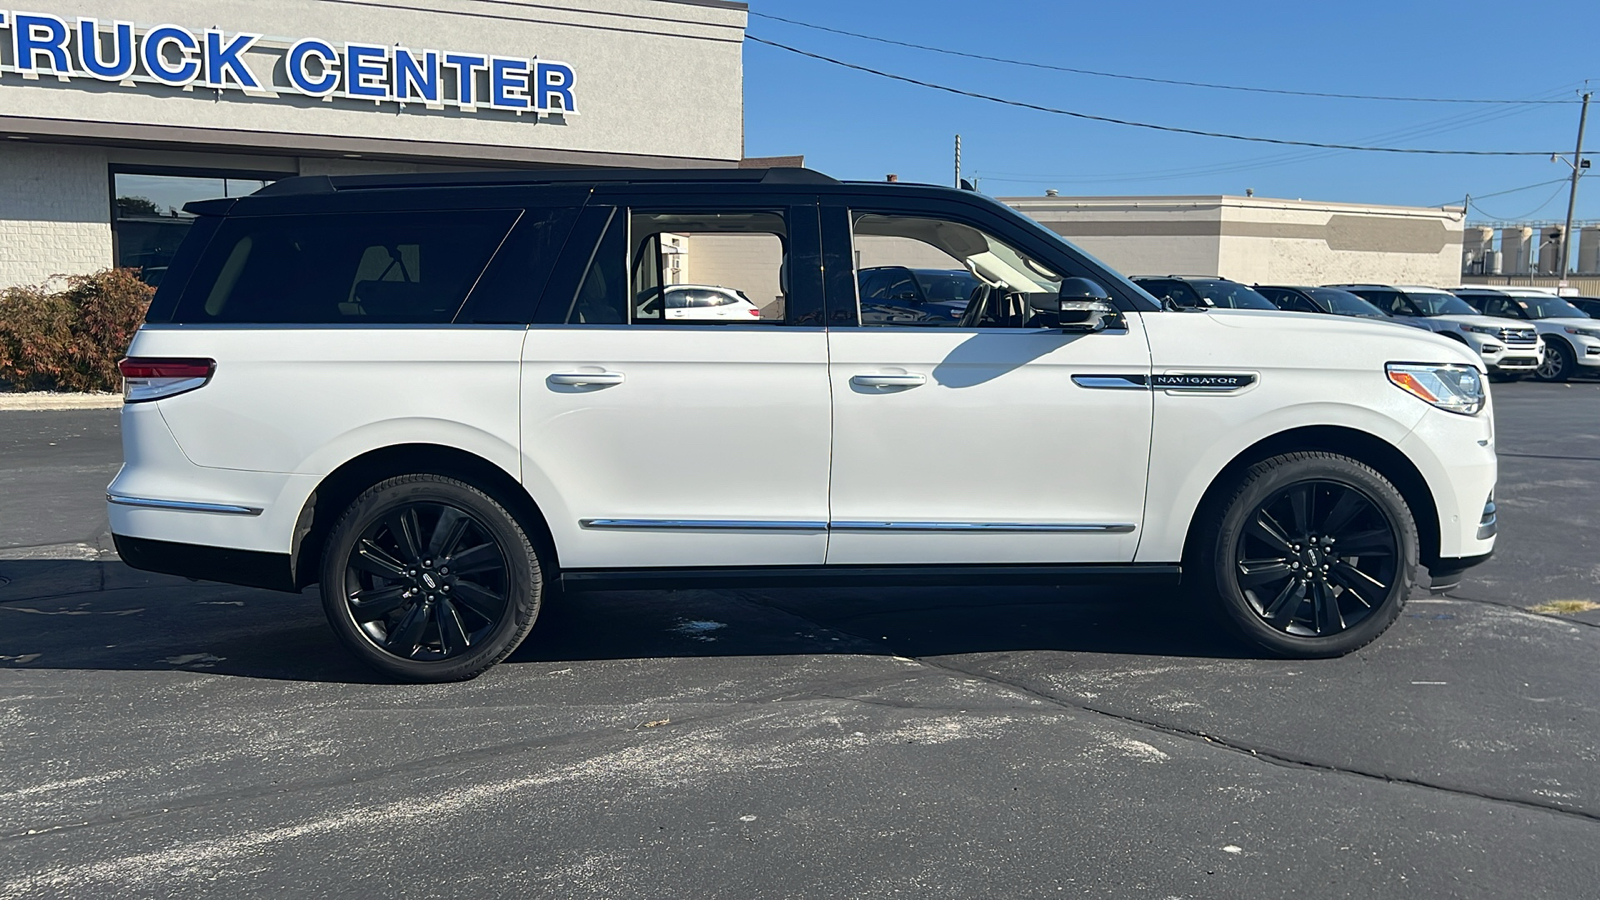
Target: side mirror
{"x":1085,"y":306}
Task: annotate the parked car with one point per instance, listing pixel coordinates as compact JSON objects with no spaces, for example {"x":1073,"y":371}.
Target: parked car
{"x":1589,"y":305}
{"x":1509,"y":351}
{"x":1331,"y":301}
{"x":527,"y":429}
{"x":1192,"y":292}
{"x":700,"y":302}
{"x":904,"y":296}
{"x":1570,"y":338}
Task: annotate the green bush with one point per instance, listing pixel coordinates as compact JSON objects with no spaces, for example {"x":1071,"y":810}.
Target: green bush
{"x":70,"y":338}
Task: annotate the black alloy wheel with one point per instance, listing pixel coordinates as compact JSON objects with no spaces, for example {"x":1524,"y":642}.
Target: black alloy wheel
{"x":1313,"y":554}
{"x":426,"y":582}
{"x":1558,"y":361}
{"x":1316,"y":558}
{"x":429,"y":579}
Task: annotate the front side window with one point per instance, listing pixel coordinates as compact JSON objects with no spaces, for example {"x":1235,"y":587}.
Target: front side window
{"x":1344,"y":303}
{"x":1439,"y":303}
{"x":1547,"y":308}
{"x":345,"y":268}
{"x":686,"y":268}
{"x":928,"y":273}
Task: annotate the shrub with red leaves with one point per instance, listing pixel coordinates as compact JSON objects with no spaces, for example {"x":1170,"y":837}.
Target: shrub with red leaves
{"x":70,"y":339}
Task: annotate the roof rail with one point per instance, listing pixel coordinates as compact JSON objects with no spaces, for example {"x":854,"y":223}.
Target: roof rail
{"x":323,"y":184}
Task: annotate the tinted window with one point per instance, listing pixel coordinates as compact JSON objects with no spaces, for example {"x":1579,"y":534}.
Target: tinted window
{"x":148,"y":217}
{"x":363,"y":268}
{"x":510,"y":291}
{"x":1392,"y":302}
{"x":1547,"y":308}
{"x":1176,"y":291}
{"x":1344,"y":303}
{"x":1439,"y":303}
{"x":1230,"y":295}
{"x":1287,"y":299}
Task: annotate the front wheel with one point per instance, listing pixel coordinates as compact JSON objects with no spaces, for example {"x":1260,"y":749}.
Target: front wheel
{"x":1312,"y":555}
{"x":428,"y":579}
{"x":1558,"y":362}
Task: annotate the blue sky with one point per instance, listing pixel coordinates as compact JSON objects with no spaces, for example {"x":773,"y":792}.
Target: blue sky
{"x":856,"y":125}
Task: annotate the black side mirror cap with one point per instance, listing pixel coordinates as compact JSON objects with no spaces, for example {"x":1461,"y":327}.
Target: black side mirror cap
{"x":1085,"y":306}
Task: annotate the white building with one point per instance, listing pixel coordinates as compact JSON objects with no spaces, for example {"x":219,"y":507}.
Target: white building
{"x":1259,"y":240}
{"x":114,"y":113}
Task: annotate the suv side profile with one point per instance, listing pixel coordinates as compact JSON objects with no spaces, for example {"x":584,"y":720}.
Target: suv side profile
{"x":442,"y":396}
{"x":1507,"y":350}
{"x":1569,"y":338}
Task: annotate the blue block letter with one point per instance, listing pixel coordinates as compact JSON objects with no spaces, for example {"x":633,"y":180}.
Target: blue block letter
{"x":33,"y":34}
{"x":555,"y":83}
{"x":299,"y":74}
{"x":122,"y":58}
{"x":224,"y":62}
{"x":414,"y":82}
{"x":505,"y":77}
{"x":466,"y":66}
{"x":155,"y":58}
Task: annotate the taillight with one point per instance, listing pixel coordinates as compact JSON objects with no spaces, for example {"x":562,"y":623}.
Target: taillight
{"x":148,"y":378}
{"x":754,"y":312}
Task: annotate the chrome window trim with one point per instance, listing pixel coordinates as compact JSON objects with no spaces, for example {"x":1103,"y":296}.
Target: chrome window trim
{"x":703,"y":525}
{"x":1113,"y":382}
{"x":184,"y":505}
{"x":1048,"y":527}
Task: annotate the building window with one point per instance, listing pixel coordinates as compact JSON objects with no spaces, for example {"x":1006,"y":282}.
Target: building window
{"x":148,"y":220}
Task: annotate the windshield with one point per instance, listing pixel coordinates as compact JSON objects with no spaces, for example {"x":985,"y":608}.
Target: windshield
{"x":945,"y":285}
{"x":1344,"y":303}
{"x":1549,"y":308}
{"x":1231,"y":295}
{"x":1439,"y":303}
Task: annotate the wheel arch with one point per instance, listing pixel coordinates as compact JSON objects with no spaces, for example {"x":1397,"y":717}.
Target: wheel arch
{"x":1361,"y":446}
{"x":335,"y":492}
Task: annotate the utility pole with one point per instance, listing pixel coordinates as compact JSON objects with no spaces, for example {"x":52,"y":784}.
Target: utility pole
{"x":1572,"y":198}
{"x":958,"y":162}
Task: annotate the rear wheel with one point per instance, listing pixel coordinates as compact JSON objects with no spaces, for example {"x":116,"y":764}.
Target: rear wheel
{"x":1558,"y":361}
{"x":429,"y":579}
{"x":1312,"y":555}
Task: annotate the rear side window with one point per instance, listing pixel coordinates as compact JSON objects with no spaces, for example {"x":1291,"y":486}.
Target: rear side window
{"x":344,"y":268}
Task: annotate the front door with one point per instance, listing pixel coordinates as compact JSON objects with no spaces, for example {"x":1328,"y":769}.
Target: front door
{"x":658,"y":440}
{"x":989,"y":436}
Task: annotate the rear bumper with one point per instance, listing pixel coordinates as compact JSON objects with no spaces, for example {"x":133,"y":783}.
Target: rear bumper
{"x":250,"y":568}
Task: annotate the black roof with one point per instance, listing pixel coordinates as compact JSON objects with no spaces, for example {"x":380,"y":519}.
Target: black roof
{"x":322,"y":184}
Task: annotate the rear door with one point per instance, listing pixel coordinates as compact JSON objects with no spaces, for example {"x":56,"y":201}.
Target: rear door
{"x":657,"y":441}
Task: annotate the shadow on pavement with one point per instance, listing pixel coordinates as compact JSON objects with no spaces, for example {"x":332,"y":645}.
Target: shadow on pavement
{"x":102,"y":615}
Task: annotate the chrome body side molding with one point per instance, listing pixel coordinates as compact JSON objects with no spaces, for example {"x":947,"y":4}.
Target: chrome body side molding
{"x":702,"y":525}
{"x":228,"y":509}
{"x":1035,"y":527}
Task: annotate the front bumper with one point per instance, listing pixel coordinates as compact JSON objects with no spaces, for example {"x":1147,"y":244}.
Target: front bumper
{"x":1500,"y":356}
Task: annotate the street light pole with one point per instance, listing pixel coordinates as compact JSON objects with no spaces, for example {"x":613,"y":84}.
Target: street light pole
{"x":958,"y":162}
{"x":1572,"y":198}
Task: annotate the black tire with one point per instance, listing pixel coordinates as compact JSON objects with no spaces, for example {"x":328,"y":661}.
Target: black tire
{"x":393,"y":598}
{"x":1558,"y":361}
{"x":1275,"y":585}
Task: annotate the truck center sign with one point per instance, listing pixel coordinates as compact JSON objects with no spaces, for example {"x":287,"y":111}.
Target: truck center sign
{"x":41,"y":44}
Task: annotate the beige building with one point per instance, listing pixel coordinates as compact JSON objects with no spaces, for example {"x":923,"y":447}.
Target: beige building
{"x":114,"y":113}
{"x":1259,"y":240}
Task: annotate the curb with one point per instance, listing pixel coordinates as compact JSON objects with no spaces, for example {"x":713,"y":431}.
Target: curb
{"x":52,"y":400}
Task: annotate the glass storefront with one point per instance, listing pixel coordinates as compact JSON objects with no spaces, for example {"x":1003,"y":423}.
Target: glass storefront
{"x":148,"y":220}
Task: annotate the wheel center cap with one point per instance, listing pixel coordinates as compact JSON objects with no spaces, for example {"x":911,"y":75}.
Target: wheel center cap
{"x":428,"y":579}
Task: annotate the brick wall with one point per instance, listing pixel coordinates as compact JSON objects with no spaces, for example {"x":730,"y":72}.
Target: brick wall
{"x":55,"y":211}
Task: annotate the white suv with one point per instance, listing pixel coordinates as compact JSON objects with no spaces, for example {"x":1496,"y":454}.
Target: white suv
{"x":442,"y":396}
{"x":1506,"y":348}
{"x":1569,"y":337}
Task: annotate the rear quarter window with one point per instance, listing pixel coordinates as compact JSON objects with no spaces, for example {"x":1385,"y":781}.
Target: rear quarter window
{"x":342,"y":268}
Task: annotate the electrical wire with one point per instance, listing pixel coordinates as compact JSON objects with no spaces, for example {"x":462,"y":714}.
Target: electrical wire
{"x":1518,"y":190}
{"x":1551,"y":199}
{"x":1144,"y":78}
{"x":1132,"y":124}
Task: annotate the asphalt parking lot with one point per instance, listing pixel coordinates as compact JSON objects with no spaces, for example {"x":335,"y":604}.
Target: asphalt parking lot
{"x":169,"y":738}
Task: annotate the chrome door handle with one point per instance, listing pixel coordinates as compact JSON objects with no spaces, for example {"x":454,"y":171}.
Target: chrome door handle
{"x":585,"y":379}
{"x":911,"y":380}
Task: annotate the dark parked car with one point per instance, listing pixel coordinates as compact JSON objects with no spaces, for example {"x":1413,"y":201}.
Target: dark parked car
{"x":1320,"y":300}
{"x":1590,"y":305}
{"x":902,"y":296}
{"x":1190,"y":292}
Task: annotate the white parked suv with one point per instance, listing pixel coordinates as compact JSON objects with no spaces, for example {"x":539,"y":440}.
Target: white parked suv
{"x":1571,"y":339}
{"x":1508,"y":349}
{"x":442,"y":396}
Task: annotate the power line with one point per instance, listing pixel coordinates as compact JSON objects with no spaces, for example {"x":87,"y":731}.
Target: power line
{"x":1517,"y":190}
{"x":1547,"y":202}
{"x":1147,"y":125}
{"x":1144,"y":78}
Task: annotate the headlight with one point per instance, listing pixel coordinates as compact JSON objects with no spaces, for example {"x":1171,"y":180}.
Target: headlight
{"x":1586,"y":332}
{"x":1457,"y":389}
{"x":1481,"y":329}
